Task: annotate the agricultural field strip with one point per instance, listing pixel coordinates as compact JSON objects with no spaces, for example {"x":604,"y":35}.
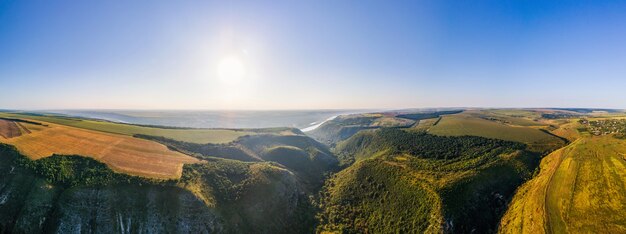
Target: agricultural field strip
{"x":122,"y":153}
{"x":565,"y":209}
{"x":552,"y":171}
{"x":9,"y":129}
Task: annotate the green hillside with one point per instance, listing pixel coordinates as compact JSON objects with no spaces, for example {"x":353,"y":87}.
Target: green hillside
{"x":306,"y":157}
{"x":405,"y":180}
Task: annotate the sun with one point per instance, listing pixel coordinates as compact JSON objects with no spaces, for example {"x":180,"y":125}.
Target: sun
{"x":231,"y":70}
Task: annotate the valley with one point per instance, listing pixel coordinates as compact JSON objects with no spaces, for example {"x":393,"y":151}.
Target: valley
{"x":451,"y":171}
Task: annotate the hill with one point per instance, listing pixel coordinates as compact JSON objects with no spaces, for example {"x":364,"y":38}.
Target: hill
{"x":404,"y":180}
{"x":76,"y":194}
{"x":306,"y":157}
{"x":497,"y":125}
{"x":122,"y":153}
{"x":345,"y":126}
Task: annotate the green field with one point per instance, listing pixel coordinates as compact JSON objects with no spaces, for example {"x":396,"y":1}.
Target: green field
{"x":514,"y":116}
{"x":200,"y":136}
{"x":425,"y":124}
{"x":465,"y":124}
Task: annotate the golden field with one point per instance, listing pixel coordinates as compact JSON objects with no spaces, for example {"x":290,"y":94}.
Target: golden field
{"x":580,"y":189}
{"x":121,"y":153}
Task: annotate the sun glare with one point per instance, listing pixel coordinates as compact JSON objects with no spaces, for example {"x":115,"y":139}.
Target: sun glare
{"x":231,"y":70}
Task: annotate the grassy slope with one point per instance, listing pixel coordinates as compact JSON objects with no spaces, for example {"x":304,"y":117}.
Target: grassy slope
{"x":464,"y":191}
{"x":300,"y":154}
{"x":200,"y":136}
{"x":464,"y":124}
{"x":580,"y":189}
{"x":517,"y":117}
{"x":341,"y":128}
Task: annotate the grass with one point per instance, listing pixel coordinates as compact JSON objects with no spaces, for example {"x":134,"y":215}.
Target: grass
{"x":514,"y":116}
{"x":200,"y":136}
{"x":425,"y":124}
{"x":307,"y":158}
{"x":466,"y":124}
{"x":122,"y":153}
{"x":389,"y":122}
{"x":580,"y":189}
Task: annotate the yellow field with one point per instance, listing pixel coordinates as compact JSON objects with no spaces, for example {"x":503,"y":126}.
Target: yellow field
{"x":580,"y":189}
{"x":121,"y":153}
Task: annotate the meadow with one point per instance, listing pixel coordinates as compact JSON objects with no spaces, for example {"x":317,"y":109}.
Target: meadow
{"x":472,"y":124}
{"x":122,"y":153}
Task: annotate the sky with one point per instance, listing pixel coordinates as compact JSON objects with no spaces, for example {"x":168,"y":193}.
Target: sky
{"x":321,"y":54}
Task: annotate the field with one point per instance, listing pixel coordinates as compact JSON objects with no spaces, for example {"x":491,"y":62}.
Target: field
{"x":200,"y":136}
{"x":389,"y":122}
{"x":580,"y":189}
{"x":514,"y":116}
{"x":470,"y":124}
{"x":425,"y":124}
{"x":9,"y":129}
{"x":122,"y":153}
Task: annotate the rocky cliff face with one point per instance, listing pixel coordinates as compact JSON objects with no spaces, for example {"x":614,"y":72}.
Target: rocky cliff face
{"x":29,"y":204}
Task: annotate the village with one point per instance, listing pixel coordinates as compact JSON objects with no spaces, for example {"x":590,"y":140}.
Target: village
{"x":605,"y":126}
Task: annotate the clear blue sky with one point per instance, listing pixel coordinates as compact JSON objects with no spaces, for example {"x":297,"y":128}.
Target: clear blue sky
{"x":311,"y":54}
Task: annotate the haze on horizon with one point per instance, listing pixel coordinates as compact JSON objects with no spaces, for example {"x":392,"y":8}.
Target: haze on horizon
{"x":311,"y":54}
